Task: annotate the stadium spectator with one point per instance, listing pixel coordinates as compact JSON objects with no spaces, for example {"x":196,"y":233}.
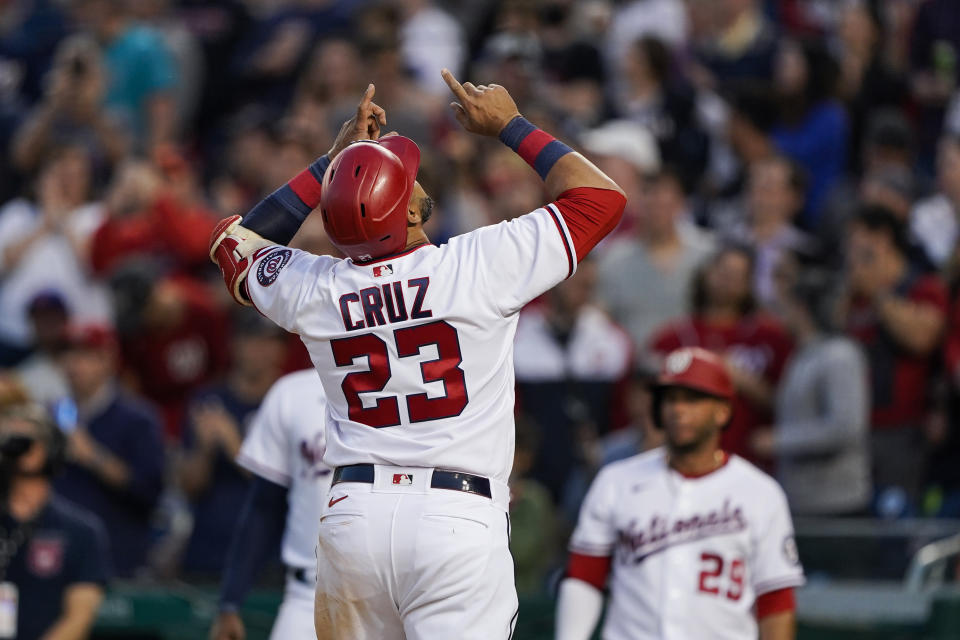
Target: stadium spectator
{"x":430,"y":40}
{"x":72,"y":110}
{"x":667,"y":106}
{"x":217,"y":421}
{"x":820,"y":439}
{"x":568,"y":348}
{"x":725,"y":320}
{"x":114,"y":450}
{"x":141,"y":73}
{"x":155,"y":210}
{"x":174,"y":338}
{"x":812,"y":128}
{"x":29,"y":34}
{"x":934,"y":52}
{"x":55,"y":554}
{"x":935,"y":221}
{"x":898,"y":315}
{"x":774,"y":197}
{"x":734,"y":40}
{"x":42,"y":372}
{"x":663,"y":252}
{"x":868,"y":80}
{"x":44,"y":245}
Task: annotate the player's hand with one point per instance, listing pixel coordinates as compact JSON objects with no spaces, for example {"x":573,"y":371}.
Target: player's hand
{"x":485,"y":109}
{"x":364,"y":125}
{"x":228,"y":626}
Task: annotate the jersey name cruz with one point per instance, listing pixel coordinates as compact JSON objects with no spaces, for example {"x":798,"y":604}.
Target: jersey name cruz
{"x":635,"y":544}
{"x":376,"y":306}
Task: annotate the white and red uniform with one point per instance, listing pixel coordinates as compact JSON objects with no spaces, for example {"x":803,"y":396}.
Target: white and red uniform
{"x":415,"y":352}
{"x":691,"y":556}
{"x":285,"y":445}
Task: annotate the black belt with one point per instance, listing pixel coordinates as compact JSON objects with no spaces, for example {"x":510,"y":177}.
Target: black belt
{"x":453,"y":480}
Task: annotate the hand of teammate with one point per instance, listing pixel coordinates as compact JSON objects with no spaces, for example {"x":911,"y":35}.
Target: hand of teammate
{"x":364,"y":125}
{"x":485,"y":109}
{"x":228,"y":626}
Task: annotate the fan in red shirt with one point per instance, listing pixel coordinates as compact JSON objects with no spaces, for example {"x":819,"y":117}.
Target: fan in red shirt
{"x":174,"y":339}
{"x":898,"y":315}
{"x":725,"y":320}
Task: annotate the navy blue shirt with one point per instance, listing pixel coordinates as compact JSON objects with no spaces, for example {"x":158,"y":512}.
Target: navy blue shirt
{"x":130,"y":431}
{"x":68,"y":546}
{"x":217,"y":509}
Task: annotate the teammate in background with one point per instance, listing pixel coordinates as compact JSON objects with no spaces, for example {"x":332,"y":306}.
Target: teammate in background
{"x":283,"y":451}
{"x":413,"y":343}
{"x":699,"y":542}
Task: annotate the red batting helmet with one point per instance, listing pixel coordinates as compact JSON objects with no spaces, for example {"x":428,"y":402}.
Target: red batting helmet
{"x":365,"y":195}
{"x":692,"y":368}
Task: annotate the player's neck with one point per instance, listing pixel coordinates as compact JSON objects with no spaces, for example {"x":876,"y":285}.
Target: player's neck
{"x":416,"y":237}
{"x":697,"y":463}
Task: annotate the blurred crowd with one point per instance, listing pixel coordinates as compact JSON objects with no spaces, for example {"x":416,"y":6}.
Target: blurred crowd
{"x":792,"y":170}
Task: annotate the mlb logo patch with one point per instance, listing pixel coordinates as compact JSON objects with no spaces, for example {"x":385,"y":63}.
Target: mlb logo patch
{"x":402,"y":478}
{"x":381,"y":270}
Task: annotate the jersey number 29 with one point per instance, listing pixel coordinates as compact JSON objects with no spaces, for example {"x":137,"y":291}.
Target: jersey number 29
{"x":409,"y":341}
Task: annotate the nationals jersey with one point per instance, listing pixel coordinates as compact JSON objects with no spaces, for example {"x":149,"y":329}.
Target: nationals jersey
{"x":285,"y":446}
{"x":415,"y":350}
{"x":690,"y":555}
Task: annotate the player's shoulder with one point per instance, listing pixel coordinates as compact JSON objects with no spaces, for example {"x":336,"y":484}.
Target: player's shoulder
{"x":638,"y":467}
{"x":745,"y":473}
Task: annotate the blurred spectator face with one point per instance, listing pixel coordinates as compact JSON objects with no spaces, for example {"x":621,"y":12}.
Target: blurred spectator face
{"x":870,"y":252}
{"x":75,"y":174}
{"x":12,"y":392}
{"x":97,"y":15}
{"x":88,"y":368}
{"x":640,"y":68}
{"x":134,"y":187}
{"x":313,"y":238}
{"x":790,"y":73}
{"x":662,"y":204}
{"x":857,"y":30}
{"x":728,"y":279}
{"x":948,"y":168}
{"x":729,"y":10}
{"x":48,"y":316}
{"x":250,"y":154}
{"x":336,"y":67}
{"x":770,"y":196}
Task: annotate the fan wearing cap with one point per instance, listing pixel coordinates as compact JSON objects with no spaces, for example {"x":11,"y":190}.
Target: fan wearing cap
{"x":413,"y":344}
{"x":694,"y":542}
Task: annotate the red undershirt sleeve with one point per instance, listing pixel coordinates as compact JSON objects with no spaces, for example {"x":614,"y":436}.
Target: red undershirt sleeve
{"x":774,"y":602}
{"x":591,"y":569}
{"x":590,"y":214}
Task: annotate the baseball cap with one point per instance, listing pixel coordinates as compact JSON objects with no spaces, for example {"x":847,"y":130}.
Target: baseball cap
{"x":626,"y":140}
{"x":91,"y":336}
{"x":47,"y":300}
{"x":697,"y":369}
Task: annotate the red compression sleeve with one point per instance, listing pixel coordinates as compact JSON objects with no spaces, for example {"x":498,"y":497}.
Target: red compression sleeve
{"x":590,"y":213}
{"x":774,"y":602}
{"x":591,"y":569}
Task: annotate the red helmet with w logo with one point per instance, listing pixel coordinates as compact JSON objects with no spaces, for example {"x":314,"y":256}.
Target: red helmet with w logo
{"x":366,"y":191}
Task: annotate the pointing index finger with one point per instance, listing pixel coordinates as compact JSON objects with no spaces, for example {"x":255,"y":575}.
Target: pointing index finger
{"x":367,"y":97}
{"x":454,"y":85}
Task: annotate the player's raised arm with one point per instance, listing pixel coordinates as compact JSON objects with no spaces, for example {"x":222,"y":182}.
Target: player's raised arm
{"x":589,"y":201}
{"x":279,"y":216}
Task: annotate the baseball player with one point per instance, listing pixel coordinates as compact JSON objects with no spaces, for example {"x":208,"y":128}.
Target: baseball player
{"x":697,"y":543}
{"x":283,"y":451}
{"x":413,"y":343}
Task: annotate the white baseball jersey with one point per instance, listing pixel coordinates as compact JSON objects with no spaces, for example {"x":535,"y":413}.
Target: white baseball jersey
{"x":690,"y":555}
{"x":285,"y":445}
{"x":415,"y":351}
